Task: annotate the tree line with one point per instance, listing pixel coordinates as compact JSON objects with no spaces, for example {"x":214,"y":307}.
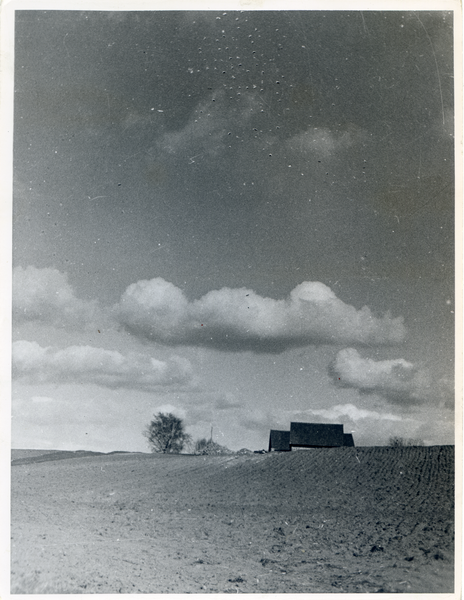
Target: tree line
{"x":166,"y":435}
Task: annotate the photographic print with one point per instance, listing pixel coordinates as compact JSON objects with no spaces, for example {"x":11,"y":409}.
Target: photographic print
{"x":233,"y":335}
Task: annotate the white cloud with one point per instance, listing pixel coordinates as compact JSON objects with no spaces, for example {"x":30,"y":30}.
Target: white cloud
{"x":352,"y":412}
{"x":324,"y":141}
{"x":210,"y":125}
{"x":78,"y":418}
{"x":45,"y":295}
{"x":41,"y":399}
{"x":397,"y":380}
{"x":176,"y":410}
{"x":107,"y":368}
{"x":157,"y":306}
{"x":239,"y":319}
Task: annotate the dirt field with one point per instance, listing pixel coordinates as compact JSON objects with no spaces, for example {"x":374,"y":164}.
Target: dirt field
{"x":329,"y":520}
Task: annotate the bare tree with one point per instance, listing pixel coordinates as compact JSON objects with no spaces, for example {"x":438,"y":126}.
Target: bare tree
{"x":166,"y":434}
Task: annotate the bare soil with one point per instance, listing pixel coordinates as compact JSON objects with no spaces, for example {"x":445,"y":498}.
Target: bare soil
{"x":317,"y":521}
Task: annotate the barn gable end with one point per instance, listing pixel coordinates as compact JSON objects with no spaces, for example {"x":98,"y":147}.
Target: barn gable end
{"x":279,"y":440}
{"x":309,"y":435}
{"x":316,"y":435}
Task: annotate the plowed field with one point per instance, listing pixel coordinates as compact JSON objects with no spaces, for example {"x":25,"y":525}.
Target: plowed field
{"x":327,"y":520}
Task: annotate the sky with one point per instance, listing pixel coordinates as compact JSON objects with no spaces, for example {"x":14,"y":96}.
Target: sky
{"x":244,"y":218}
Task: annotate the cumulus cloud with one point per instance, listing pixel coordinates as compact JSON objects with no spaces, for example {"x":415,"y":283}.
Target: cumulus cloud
{"x":46,"y":295}
{"x":85,"y":364}
{"x":239,"y":319}
{"x":397,"y":380}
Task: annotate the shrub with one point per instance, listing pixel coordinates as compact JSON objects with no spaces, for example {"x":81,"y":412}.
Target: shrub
{"x":208,"y":447}
{"x":399,"y":442}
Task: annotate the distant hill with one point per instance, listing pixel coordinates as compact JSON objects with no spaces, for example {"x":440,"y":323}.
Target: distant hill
{"x":16,"y":453}
{"x":24,"y":457}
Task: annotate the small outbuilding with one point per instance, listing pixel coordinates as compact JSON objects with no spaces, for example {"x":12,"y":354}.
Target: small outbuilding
{"x":348,"y":439}
{"x":309,"y":435}
{"x":279,"y":440}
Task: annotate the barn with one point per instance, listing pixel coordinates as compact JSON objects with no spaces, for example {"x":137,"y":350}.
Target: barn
{"x":309,"y":435}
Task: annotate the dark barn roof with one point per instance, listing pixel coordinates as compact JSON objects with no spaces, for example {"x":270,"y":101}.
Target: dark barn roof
{"x":348,"y":439}
{"x":279,"y":440}
{"x":316,"y":435}
{"x":309,"y":435}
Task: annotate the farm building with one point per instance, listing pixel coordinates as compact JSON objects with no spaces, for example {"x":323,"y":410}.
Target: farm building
{"x":309,"y":435}
{"x":348,"y":439}
{"x":279,"y":440}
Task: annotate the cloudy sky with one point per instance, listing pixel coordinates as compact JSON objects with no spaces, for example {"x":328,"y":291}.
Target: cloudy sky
{"x":244,"y":218}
